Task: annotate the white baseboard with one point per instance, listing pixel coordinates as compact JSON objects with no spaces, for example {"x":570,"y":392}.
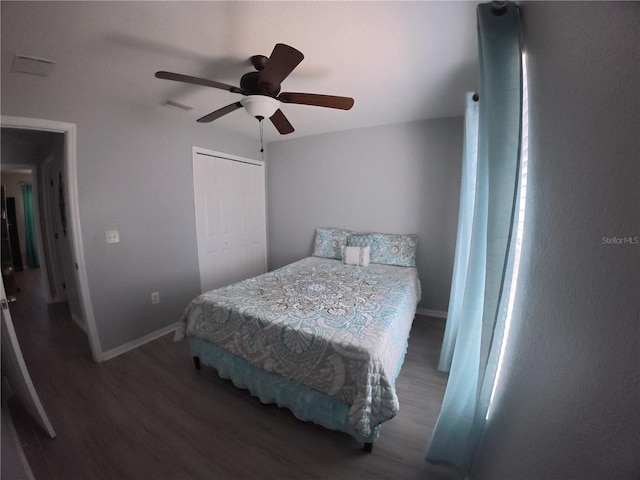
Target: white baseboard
{"x":431,"y":313}
{"x":79,"y":321}
{"x":114,"y":352}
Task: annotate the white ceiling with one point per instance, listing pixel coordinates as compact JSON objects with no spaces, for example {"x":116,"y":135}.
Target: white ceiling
{"x":400,"y":61}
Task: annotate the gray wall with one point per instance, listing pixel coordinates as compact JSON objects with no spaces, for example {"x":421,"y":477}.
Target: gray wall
{"x":569,"y":406}
{"x":134,"y":175}
{"x":402,"y":178}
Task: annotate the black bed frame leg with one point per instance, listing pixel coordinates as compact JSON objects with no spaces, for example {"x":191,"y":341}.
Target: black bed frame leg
{"x":368,"y":447}
{"x":196,"y":362}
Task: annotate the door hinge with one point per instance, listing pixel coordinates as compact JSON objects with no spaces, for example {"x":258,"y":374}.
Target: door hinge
{"x":5,"y":305}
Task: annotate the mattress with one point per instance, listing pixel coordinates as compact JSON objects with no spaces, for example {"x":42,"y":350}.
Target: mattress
{"x":338,"y":329}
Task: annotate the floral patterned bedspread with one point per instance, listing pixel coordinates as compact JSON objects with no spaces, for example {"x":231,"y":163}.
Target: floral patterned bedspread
{"x":340,"y":329}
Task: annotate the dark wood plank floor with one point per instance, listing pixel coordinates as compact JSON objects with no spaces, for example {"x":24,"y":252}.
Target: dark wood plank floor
{"x":148,"y":414}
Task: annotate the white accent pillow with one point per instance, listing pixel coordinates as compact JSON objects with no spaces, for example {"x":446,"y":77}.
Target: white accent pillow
{"x":356,"y":256}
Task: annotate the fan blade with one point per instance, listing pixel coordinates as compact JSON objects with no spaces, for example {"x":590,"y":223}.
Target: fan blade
{"x":178,"y":77}
{"x":281,"y":123}
{"x":220,"y":112}
{"x":281,"y":63}
{"x":329,"y":101}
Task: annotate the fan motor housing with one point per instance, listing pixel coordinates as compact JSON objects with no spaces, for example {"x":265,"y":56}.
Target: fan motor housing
{"x":250,"y":83}
{"x":259,"y":62}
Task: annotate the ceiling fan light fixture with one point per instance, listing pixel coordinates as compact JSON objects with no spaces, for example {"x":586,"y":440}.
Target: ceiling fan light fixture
{"x":261,"y":89}
{"x":260,"y":106}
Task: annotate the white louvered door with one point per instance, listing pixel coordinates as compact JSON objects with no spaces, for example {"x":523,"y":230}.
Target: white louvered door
{"x":229,"y":195}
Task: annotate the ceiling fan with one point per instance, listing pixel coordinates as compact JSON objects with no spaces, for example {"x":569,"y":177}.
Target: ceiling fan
{"x":261,"y":89}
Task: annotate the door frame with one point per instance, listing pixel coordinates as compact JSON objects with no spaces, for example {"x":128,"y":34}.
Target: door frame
{"x":73,"y":212}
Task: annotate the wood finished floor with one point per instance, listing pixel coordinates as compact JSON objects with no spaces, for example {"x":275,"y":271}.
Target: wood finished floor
{"x":148,"y":414}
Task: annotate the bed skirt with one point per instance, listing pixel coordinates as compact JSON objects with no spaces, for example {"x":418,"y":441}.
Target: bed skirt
{"x":305,"y":403}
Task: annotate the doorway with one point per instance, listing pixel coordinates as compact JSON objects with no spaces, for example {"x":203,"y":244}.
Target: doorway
{"x":73,"y":271}
{"x":34,"y":237}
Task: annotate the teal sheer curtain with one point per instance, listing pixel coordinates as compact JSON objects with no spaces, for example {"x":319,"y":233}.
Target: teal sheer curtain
{"x":30,"y":227}
{"x":463,"y":239}
{"x":479,"y":289}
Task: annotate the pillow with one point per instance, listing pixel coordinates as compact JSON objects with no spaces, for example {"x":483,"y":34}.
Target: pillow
{"x":359,"y":240}
{"x":356,"y":256}
{"x":329,"y":242}
{"x":393,"y":249}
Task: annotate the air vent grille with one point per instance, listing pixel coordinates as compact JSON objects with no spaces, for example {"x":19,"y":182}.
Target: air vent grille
{"x":32,"y":65}
{"x":176,"y":105}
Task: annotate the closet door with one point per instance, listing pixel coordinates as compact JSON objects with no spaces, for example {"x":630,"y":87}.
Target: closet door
{"x":229,"y":197}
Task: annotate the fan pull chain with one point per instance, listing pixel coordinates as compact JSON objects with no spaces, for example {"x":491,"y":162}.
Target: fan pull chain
{"x":261,"y":137}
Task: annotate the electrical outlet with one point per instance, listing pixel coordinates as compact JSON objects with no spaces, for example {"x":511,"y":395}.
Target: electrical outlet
{"x":112,"y":236}
{"x":155,"y":298}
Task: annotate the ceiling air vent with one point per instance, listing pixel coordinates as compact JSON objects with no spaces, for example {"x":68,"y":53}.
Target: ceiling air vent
{"x":32,"y":65}
{"x":176,"y":105}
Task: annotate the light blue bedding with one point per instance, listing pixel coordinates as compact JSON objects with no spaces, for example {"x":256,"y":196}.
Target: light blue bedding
{"x":339,"y":329}
{"x":306,"y":403}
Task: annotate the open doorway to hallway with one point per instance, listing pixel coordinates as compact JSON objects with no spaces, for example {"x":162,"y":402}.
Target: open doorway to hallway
{"x":33,"y":176}
{"x":68,"y":205}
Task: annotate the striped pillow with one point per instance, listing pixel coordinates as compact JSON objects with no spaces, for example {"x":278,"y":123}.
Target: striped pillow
{"x":356,"y":256}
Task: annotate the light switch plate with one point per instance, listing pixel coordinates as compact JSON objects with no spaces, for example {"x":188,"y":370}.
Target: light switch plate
{"x":112,"y":236}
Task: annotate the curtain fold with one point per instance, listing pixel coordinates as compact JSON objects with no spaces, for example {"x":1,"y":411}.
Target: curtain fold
{"x":33,"y":260}
{"x":463,"y":237}
{"x":479,"y":293}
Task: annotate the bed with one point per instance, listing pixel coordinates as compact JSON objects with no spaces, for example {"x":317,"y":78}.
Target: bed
{"x":324,"y":336}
